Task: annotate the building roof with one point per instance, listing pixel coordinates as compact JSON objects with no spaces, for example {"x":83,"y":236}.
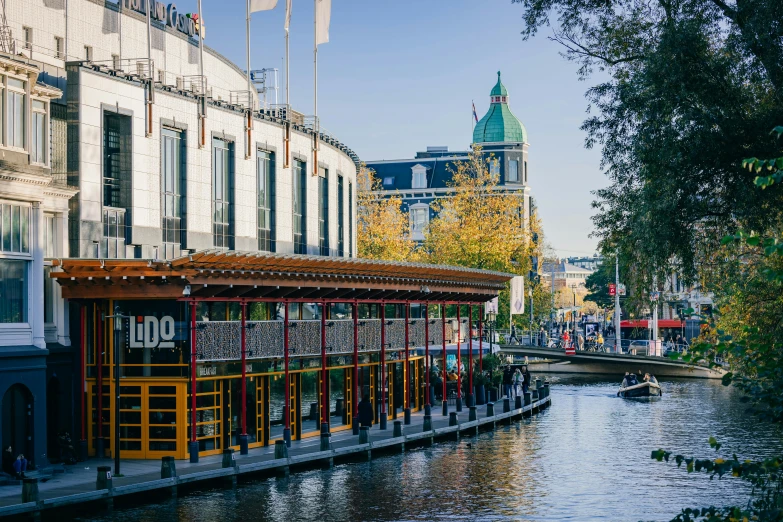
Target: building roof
{"x":219,"y":275}
{"x":562,"y":266}
{"x":499,"y":124}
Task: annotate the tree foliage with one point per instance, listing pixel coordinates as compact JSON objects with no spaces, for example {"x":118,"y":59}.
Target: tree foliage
{"x":383,"y":229}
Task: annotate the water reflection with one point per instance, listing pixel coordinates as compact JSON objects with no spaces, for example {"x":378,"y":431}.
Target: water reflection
{"x":586,"y":458}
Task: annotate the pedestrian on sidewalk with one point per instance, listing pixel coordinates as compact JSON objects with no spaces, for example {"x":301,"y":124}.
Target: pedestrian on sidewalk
{"x":365,"y":412}
{"x":517,"y":381}
{"x":20,"y":466}
{"x":507,"y":380}
{"x":526,"y":380}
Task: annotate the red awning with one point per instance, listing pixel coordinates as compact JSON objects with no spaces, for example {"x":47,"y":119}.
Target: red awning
{"x":644,"y":323}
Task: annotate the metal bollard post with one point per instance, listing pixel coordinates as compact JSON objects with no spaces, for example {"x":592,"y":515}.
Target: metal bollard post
{"x":518,"y":402}
{"x":229,"y":458}
{"x":168,"y":467}
{"x":103,"y":480}
{"x":397,"y":429}
{"x":534,"y":398}
{"x":29,"y":490}
{"x":427,"y":423}
{"x":407,"y":416}
{"x":528,"y":399}
{"x":506,"y":405}
{"x":453,"y":421}
{"x":472,"y":414}
{"x":281,"y":449}
{"x":490,"y":409}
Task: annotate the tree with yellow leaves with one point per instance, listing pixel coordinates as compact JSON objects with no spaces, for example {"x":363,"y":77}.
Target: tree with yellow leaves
{"x":383,"y":229}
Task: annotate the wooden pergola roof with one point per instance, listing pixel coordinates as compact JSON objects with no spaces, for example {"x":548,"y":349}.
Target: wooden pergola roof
{"x":215,"y":274}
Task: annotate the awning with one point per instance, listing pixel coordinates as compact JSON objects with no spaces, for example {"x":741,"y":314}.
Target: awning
{"x":644,"y":323}
{"x":223,"y":275}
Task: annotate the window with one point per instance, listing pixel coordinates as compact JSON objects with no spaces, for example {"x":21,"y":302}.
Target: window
{"x":172,"y":171}
{"x":16,"y":113}
{"x":50,"y":251}
{"x":419,"y":177}
{"x":265,"y":171}
{"x":59,"y":48}
{"x":222,"y":179}
{"x":525,"y":166}
{"x":340,"y":217}
{"x":27,"y":34}
{"x":494,"y":168}
{"x":38,"y":150}
{"x":88,"y":53}
{"x":420,"y":216}
{"x":13,"y":288}
{"x":299,"y":188}
{"x":350,"y":219}
{"x":15,"y":224}
{"x":116,"y":168}
{"x":323,"y":211}
{"x":50,"y":235}
{"x":513,"y":171}
{"x":388,"y":181}
{"x":113,"y":242}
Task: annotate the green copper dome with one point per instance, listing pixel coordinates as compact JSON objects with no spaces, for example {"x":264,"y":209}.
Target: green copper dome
{"x":499,"y":124}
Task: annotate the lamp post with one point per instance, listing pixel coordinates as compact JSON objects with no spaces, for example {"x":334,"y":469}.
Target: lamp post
{"x":118,"y":317}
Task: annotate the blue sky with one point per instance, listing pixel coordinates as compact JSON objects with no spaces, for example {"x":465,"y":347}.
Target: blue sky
{"x":400,"y":75}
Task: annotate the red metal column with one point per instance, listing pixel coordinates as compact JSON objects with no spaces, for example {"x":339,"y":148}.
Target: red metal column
{"x":243,"y":307}
{"x":406,"y":373}
{"x":355,"y":309}
{"x":99,"y":352}
{"x":82,"y":369}
{"x":287,"y":395}
{"x":481,"y":343}
{"x":193,"y":449}
{"x":384,"y":416}
{"x":427,"y":354}
{"x":324,"y":371}
{"x":470,"y":352}
{"x":445,"y":376}
{"x":459,"y":366}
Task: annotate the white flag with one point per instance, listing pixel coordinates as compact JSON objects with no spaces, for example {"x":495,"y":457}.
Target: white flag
{"x":262,"y":5}
{"x":323,"y":15}
{"x":287,"y":14}
{"x":517,"y":295}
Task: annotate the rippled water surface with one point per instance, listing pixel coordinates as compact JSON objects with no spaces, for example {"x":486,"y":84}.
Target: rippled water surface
{"x":586,"y":458}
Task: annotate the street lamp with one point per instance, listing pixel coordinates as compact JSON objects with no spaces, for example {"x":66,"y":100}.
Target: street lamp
{"x":491,"y":318}
{"x":118,"y":317}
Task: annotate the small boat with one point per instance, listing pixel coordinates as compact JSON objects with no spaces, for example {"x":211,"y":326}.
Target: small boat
{"x":640,"y":391}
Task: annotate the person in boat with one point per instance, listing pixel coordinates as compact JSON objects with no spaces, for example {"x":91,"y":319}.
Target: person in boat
{"x":631,"y":380}
{"x":652,"y":379}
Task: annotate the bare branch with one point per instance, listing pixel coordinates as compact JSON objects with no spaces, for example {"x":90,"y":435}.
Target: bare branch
{"x":573,"y":46}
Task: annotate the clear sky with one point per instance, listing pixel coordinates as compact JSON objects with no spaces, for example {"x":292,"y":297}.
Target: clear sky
{"x":400,"y":75}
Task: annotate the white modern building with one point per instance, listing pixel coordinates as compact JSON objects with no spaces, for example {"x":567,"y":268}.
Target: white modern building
{"x":127,"y":141}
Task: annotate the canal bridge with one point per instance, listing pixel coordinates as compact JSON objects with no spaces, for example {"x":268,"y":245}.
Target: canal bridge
{"x":555,"y":360}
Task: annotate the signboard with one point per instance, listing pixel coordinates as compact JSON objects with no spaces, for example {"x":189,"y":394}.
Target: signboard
{"x":165,"y":14}
{"x":654,"y":296}
{"x":491,"y":307}
{"x":517,"y":295}
{"x":150,"y":332}
{"x":612,"y":289}
{"x":451,"y":361}
{"x":621,"y":289}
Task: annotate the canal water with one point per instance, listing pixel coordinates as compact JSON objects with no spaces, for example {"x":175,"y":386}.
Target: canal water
{"x":586,"y":458}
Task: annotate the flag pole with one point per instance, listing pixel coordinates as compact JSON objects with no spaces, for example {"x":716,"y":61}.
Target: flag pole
{"x":202,"y":82}
{"x":315,"y":88}
{"x":250,"y":104}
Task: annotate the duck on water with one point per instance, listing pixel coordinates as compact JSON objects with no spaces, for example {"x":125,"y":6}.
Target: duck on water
{"x":638,"y":388}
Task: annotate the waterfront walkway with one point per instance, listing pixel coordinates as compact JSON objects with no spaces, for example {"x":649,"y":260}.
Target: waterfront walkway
{"x":78,"y":484}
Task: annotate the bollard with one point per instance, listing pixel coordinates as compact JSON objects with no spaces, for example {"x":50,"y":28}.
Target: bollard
{"x":287,"y":436}
{"x":459,"y":404}
{"x":518,"y":402}
{"x":313,"y":411}
{"x":470,"y":400}
{"x":193,"y":449}
{"x":527,"y":401}
{"x":427,"y":409}
{"x":407,"y":416}
{"x":506,"y":405}
{"x":103,"y":480}
{"x":534,"y":398}
{"x":445,"y":407}
{"x":243,"y":442}
{"x":539,"y":384}
{"x":490,"y":409}
{"x":364,"y":435}
{"x":168,"y":467}
{"x":546,"y":393}
{"x":281,"y":449}
{"x":229,"y":460}
{"x":453,"y":421}
{"x":427,"y":423}
{"x":29,"y":490}
{"x":326,"y":442}
{"x":472,"y":414}
{"x":397,"y":429}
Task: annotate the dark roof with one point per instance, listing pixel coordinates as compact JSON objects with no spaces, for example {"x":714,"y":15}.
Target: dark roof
{"x":438,"y":174}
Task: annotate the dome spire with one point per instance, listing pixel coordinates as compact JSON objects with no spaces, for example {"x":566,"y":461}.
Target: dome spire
{"x":499,"y":125}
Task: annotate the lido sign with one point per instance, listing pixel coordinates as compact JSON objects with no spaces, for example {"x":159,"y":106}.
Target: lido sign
{"x":150,"y":332}
{"x":165,"y":14}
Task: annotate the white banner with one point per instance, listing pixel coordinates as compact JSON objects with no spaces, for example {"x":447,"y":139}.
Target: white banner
{"x":517,"y":295}
{"x":262,"y":5}
{"x":323,"y":15}
{"x":287,"y":14}
{"x":491,"y":307}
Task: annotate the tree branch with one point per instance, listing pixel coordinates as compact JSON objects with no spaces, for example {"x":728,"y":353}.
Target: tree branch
{"x":573,"y":46}
{"x":728,"y":11}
